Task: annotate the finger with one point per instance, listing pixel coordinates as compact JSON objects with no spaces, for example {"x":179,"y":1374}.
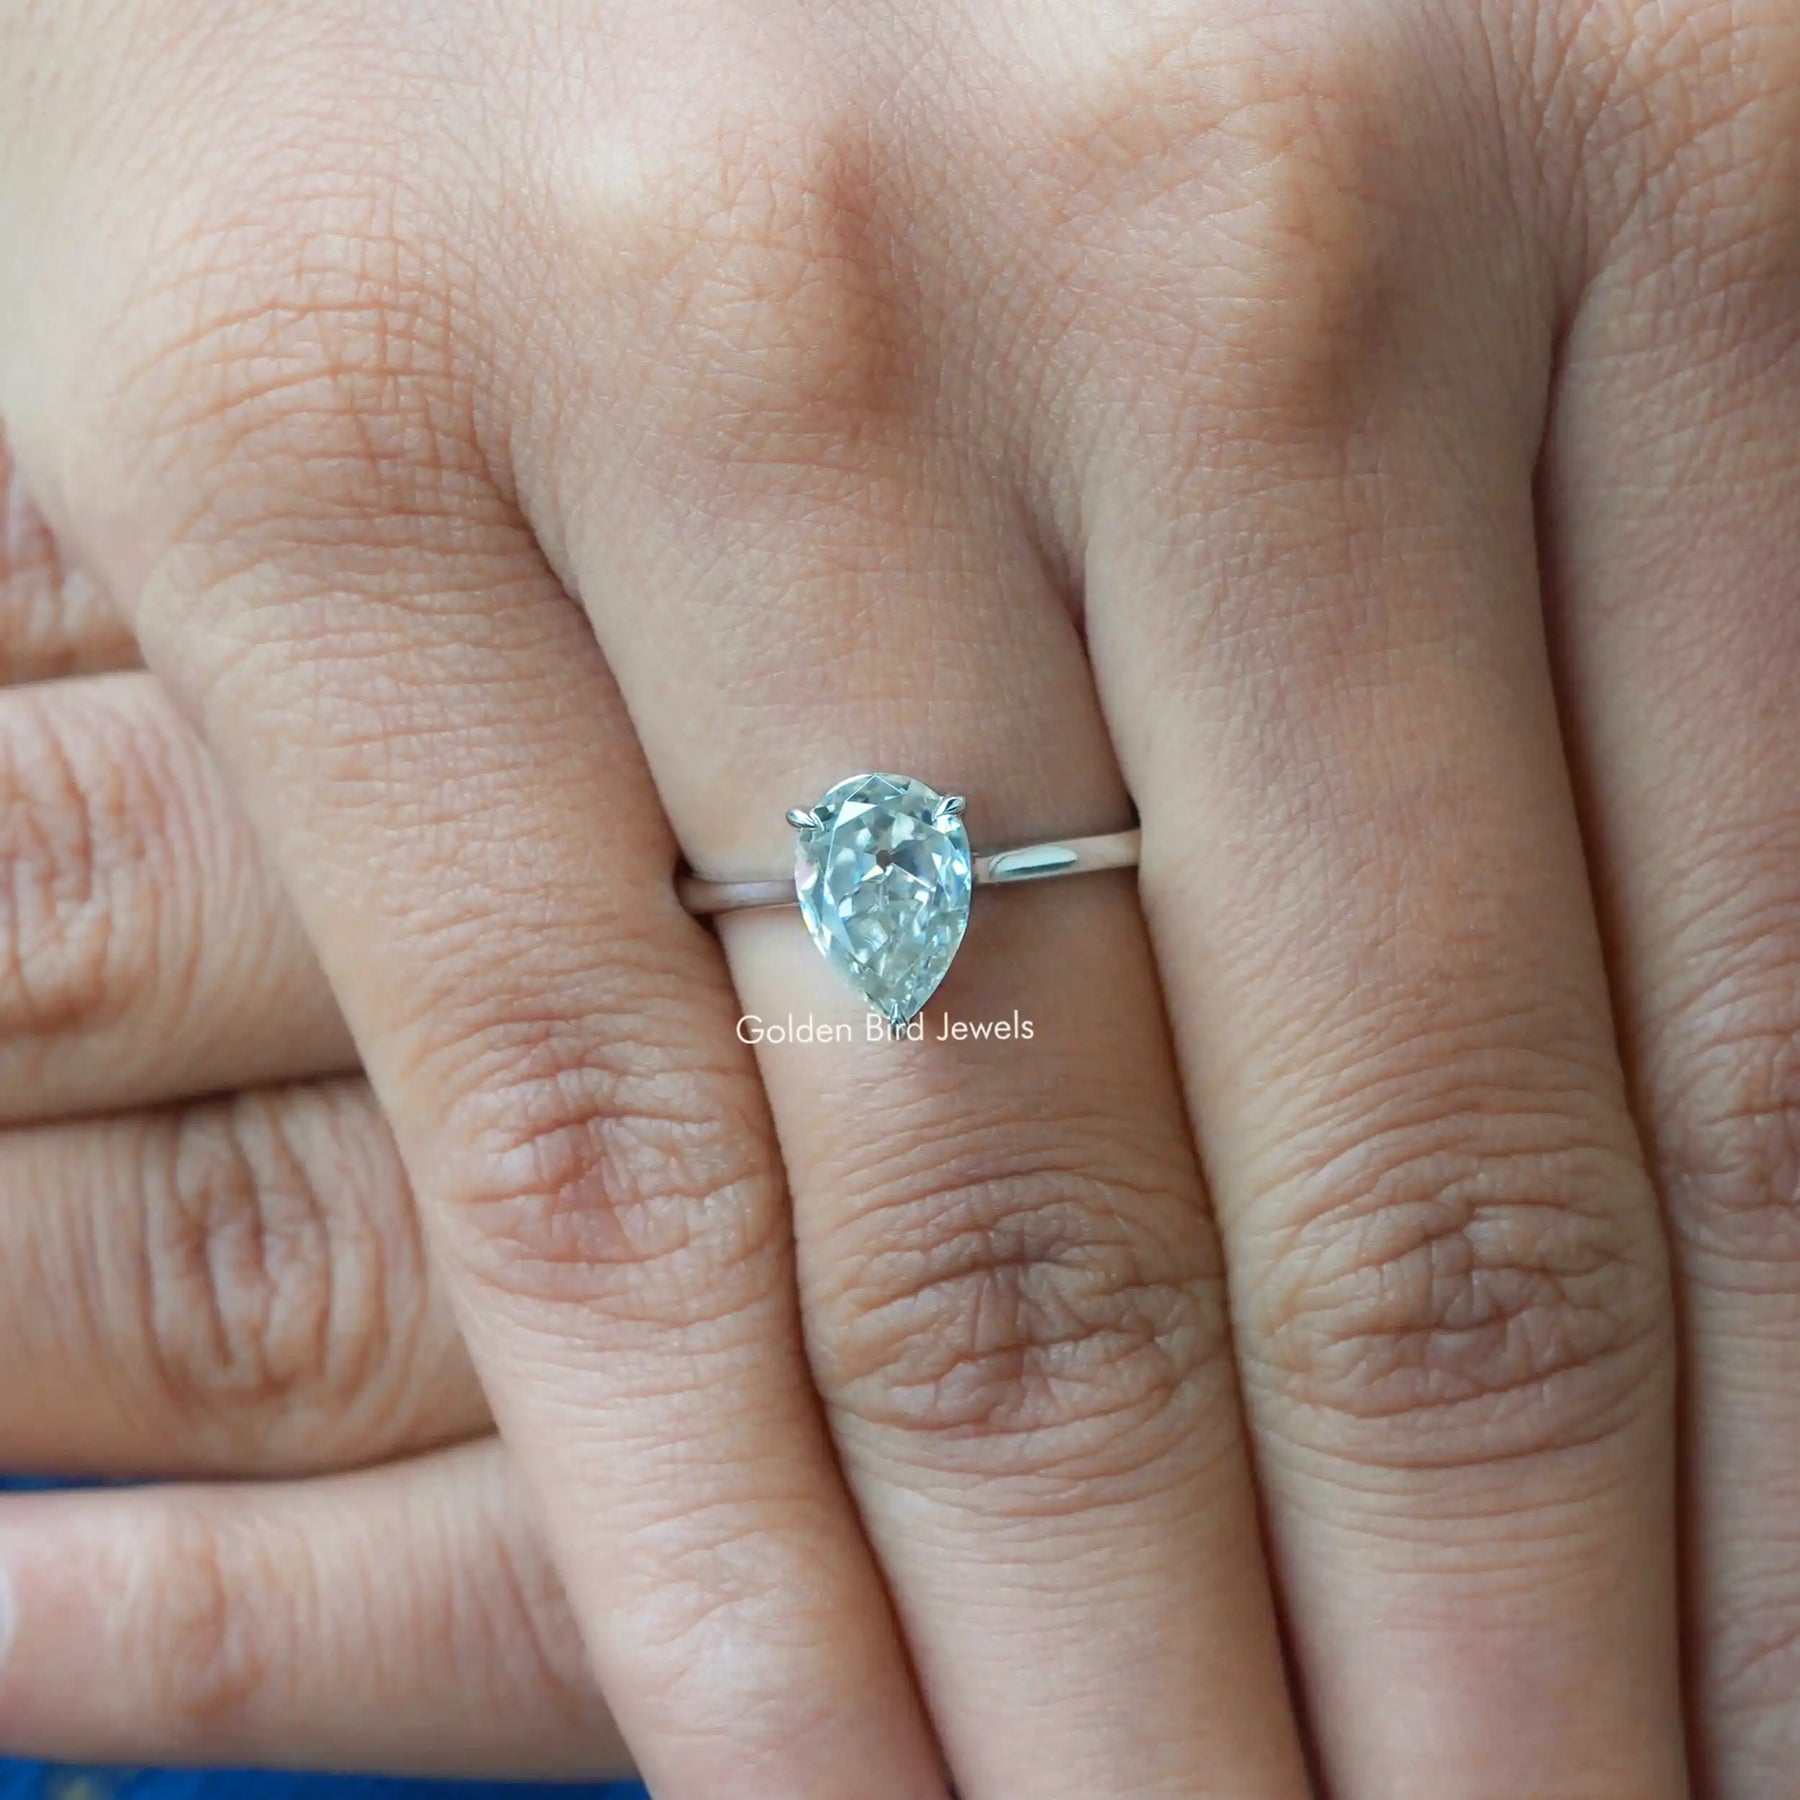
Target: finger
{"x":54,"y":618}
{"x":235,"y":1287}
{"x":1674,"y":523}
{"x":1017,"y":1317}
{"x":146,"y":951}
{"x":400,"y":1619}
{"x":456,"y":799}
{"x":1446,"y":1267}
{"x":1014,"y":1303}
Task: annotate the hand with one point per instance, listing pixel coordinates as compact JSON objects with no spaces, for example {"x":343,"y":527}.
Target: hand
{"x":234,"y":1286}
{"x":1050,"y":404}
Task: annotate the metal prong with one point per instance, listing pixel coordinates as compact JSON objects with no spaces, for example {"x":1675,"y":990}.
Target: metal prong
{"x":951,"y":807}
{"x":803,"y":818}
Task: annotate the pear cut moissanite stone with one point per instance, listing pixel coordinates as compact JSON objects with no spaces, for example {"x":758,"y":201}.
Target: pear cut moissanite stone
{"x":883,"y":871}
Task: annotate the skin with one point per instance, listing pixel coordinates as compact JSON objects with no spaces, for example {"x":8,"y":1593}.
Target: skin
{"x":532,"y":446}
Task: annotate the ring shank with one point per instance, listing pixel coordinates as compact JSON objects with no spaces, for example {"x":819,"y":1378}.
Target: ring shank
{"x":1030,"y":862}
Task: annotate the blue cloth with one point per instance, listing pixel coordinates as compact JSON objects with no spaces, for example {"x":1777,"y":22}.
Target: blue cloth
{"x":34,"y":1781}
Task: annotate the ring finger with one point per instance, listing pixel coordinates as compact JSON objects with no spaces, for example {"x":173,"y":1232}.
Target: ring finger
{"x":1014,"y":1300}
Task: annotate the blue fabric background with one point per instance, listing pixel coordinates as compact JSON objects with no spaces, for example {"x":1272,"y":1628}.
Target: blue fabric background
{"x":31,"y":1781}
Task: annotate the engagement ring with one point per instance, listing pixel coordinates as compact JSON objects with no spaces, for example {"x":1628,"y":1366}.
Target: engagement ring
{"x":884,"y":875}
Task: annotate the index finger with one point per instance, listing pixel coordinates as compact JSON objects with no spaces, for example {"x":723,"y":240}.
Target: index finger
{"x":432,"y":746}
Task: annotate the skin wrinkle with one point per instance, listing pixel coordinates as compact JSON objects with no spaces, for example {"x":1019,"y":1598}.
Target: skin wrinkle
{"x":51,"y":882}
{"x":1050,"y":1295}
{"x":55,"y":620}
{"x":214,"y":1659}
{"x":152,"y":933}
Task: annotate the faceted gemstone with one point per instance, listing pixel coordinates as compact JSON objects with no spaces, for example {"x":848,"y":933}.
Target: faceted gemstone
{"x":884,"y":874}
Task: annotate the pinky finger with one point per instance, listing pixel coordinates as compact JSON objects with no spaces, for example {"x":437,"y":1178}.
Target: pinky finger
{"x":400,"y":1620}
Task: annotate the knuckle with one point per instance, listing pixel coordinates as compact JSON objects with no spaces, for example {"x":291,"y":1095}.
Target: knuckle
{"x":760,"y":257}
{"x":1007,"y":1301}
{"x":314,"y":394}
{"x":284,"y":1274}
{"x":623,"y":1167}
{"x":1293,"y":154}
{"x":85,"y":814}
{"x":205,"y":1623}
{"x":1466,"y":1289}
